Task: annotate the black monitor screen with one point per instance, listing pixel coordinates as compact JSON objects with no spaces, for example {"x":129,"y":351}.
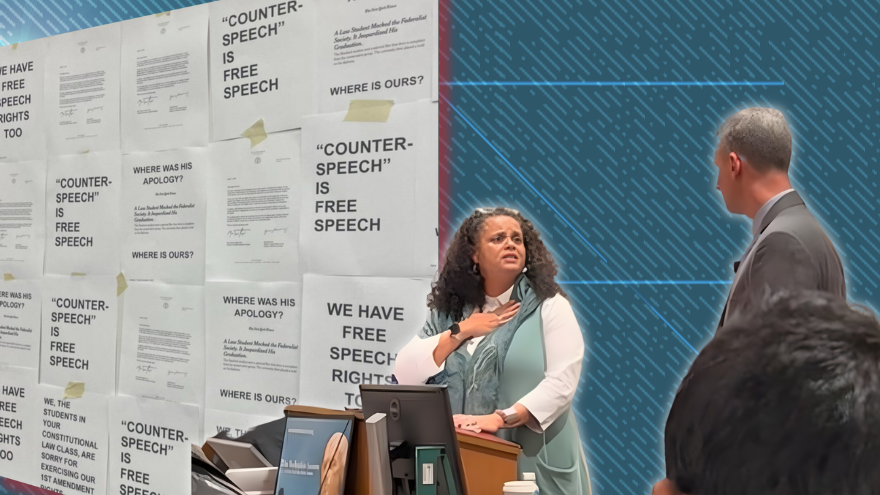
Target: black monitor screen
{"x":417,"y":415}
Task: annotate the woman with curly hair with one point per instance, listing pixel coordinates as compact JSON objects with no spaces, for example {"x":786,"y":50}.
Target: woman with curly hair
{"x":503,"y":338}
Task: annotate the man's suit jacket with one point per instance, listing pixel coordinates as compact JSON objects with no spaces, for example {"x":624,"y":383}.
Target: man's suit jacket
{"x":792,"y":252}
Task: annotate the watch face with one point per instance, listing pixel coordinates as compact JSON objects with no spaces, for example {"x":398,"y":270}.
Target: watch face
{"x":454,"y":329}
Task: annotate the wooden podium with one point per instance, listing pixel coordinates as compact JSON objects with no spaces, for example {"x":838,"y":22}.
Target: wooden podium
{"x":488,"y":462}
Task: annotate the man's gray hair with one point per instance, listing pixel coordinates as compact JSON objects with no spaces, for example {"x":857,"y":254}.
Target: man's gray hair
{"x":761,"y":136}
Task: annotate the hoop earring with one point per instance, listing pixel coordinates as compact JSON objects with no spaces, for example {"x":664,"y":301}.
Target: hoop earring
{"x":476,"y":269}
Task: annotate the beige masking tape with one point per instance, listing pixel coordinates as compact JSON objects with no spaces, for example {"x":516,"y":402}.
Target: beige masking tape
{"x":160,"y":14}
{"x":8,"y":276}
{"x":256,"y":133}
{"x":15,"y":46}
{"x":368,"y":111}
{"x":77,"y":274}
{"x":121,"y":284}
{"x":74,"y":390}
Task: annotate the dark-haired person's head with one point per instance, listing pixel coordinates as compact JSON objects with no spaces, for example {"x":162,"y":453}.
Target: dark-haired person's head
{"x":783,"y":401}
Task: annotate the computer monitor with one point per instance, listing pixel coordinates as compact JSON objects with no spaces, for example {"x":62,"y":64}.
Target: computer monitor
{"x":416,"y":415}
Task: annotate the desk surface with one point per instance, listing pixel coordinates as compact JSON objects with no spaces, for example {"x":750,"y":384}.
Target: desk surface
{"x":486,"y":440}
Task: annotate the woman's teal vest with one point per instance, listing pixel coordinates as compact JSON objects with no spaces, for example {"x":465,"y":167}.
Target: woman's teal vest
{"x":555,"y":456}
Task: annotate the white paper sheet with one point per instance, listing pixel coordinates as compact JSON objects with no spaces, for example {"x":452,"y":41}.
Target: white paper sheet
{"x":163,"y":343}
{"x":252,"y":351}
{"x":165,"y":80}
{"x":22,"y":121}
{"x":19,"y":424}
{"x":234,"y":424}
{"x":150,"y":446}
{"x":359,"y":209}
{"x":373,"y":50}
{"x":428,"y":191}
{"x":253,"y":210}
{"x":79,"y":332}
{"x":72,"y":442}
{"x":353,"y":328}
{"x":82,"y":90}
{"x":163,"y":216}
{"x":20,"y":323}
{"x":435,"y":90}
{"x":22,"y":218}
{"x":262,"y":65}
{"x":82,"y":214}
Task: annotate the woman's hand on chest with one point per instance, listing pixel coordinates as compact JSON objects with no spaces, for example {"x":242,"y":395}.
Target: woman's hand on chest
{"x":481,"y":324}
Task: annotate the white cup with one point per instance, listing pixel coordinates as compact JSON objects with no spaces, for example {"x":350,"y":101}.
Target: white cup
{"x":520,"y":488}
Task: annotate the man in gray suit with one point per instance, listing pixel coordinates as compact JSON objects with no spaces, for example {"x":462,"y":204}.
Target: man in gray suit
{"x":789,"y":250}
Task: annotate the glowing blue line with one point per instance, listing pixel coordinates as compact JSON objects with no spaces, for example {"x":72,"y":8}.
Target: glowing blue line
{"x":612,"y":83}
{"x":521,"y":176}
{"x":664,"y":319}
{"x":644,"y":282}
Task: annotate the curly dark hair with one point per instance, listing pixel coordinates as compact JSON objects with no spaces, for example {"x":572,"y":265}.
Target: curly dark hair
{"x":458,"y":286}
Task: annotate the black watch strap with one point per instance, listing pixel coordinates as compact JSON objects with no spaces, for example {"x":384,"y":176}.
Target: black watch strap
{"x":454,"y":329}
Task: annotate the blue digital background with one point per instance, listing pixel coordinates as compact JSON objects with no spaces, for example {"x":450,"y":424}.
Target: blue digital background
{"x":619,"y":178}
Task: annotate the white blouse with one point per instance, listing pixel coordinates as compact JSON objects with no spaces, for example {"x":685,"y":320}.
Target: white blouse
{"x":563,"y":345}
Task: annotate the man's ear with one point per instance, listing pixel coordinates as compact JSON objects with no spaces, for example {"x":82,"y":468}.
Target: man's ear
{"x":735,"y":163}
